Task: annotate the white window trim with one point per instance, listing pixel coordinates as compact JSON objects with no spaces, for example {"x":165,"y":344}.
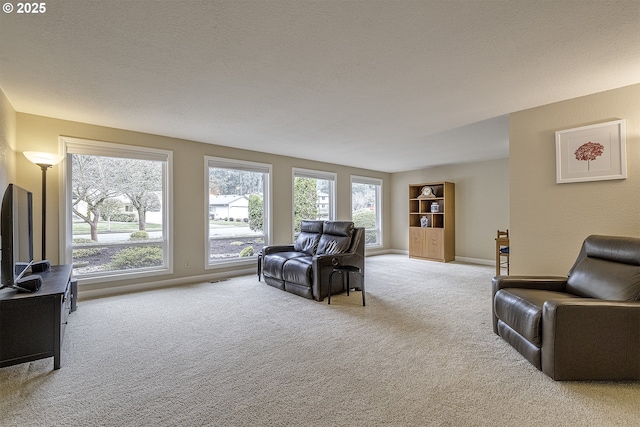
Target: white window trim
{"x":240,"y":165}
{"x":356,"y":179}
{"x":91,"y":147}
{"x":332,"y":177}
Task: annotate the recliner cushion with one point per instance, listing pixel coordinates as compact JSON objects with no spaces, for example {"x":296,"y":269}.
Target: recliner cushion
{"x":618,"y":249}
{"x":299,"y":271}
{"x":307,"y":240}
{"x":311,"y":226}
{"x":338,"y":228}
{"x":307,"y":243}
{"x":521,"y":310}
{"x":602,"y":279}
{"x":336,"y":237}
{"x":273,"y":263}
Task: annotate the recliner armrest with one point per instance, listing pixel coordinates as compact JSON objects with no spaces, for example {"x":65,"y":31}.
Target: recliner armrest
{"x":331,"y":260}
{"x":591,"y":339}
{"x":266,"y":250}
{"x":547,"y":283}
{"x":323,"y":266}
{"x":345,"y":258}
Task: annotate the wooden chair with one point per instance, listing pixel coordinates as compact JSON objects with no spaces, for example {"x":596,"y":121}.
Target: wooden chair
{"x":502,"y":251}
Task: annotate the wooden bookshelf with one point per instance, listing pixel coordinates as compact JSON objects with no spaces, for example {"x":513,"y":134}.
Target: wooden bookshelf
{"x":432,"y":221}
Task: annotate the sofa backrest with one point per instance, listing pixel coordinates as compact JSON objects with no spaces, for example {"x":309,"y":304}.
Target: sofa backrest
{"x":336,"y":237}
{"x":307,"y":240}
{"x":608,"y":267}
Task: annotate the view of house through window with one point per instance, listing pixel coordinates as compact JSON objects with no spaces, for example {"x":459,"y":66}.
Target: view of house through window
{"x":116,"y":211}
{"x":237,"y":225}
{"x":313,"y":196}
{"x":366,"y":207}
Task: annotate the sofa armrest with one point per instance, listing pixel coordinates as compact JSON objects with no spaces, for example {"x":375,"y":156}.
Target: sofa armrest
{"x":590,"y":339}
{"x":323,"y":261}
{"x":346,"y":258}
{"x":266,"y":250}
{"x":323,"y":266}
{"x":547,"y":283}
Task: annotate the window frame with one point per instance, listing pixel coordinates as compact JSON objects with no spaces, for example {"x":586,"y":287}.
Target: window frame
{"x":248,"y":166}
{"x":332,"y":177}
{"x":71,"y":146}
{"x":377,"y":182}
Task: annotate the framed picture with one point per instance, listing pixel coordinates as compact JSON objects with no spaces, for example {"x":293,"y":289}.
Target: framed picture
{"x":591,"y":153}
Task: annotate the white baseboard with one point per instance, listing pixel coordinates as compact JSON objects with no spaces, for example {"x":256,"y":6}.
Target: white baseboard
{"x":476,"y":260}
{"x":458,"y":258}
{"x":113,"y":290}
{"x":374,"y":252}
{"x":400,"y":252}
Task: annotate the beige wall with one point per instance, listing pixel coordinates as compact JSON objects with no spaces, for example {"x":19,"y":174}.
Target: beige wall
{"x":549,"y":221}
{"x":7,"y":143}
{"x":482,"y":205}
{"x":42,"y":133}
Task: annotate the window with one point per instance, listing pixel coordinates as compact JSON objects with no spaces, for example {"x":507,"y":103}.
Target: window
{"x":237,"y":210}
{"x":117,"y":210}
{"x":366,"y":208}
{"x":313,"y":196}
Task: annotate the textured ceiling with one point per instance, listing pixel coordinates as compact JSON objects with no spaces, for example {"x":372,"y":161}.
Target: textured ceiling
{"x":385,"y":85}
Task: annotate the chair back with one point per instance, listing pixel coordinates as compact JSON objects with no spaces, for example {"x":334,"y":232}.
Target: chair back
{"x":336,"y":237}
{"x":307,"y":240}
{"x":503,"y":234}
{"x":608,"y":268}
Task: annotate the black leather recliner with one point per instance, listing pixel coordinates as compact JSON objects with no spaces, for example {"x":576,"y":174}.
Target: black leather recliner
{"x":585,"y":326}
{"x":304,"y":267}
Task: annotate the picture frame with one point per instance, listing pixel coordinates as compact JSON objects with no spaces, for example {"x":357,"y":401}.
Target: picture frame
{"x":592,"y":153}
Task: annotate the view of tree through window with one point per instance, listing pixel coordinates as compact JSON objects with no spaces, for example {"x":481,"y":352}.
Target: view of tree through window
{"x":117,"y":214}
{"x":313,"y":197}
{"x":237,"y":210}
{"x":366,"y":207}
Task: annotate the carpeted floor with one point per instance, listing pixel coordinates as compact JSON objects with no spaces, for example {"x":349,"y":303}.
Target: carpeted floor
{"x":242,"y":353}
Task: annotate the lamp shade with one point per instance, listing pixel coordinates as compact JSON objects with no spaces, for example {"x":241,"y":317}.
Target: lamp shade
{"x":40,"y":158}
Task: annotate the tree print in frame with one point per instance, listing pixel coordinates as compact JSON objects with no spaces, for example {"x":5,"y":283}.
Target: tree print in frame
{"x":591,"y":153}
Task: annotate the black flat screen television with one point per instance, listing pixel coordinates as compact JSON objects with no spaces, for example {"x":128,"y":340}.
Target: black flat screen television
{"x":16,"y":233}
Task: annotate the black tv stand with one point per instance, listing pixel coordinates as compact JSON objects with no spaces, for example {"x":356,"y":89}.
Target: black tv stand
{"x":32,"y":324}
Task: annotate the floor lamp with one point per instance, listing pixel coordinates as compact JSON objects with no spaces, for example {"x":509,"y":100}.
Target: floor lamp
{"x":45,"y":161}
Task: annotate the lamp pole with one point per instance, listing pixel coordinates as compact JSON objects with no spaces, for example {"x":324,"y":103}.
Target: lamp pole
{"x":44,"y":168}
{"x":45,"y":161}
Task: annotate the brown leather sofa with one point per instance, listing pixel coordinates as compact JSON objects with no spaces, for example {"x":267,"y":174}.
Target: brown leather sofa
{"x":304,"y":267}
{"x":585,"y":326}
